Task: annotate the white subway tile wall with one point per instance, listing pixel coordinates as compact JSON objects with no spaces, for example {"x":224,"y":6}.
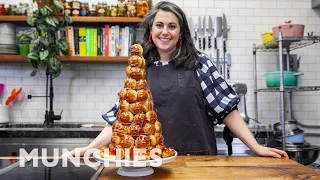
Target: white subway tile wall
{"x":86,"y":90}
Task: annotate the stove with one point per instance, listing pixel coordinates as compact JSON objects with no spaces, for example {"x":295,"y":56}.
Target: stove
{"x":315,"y":166}
{"x":13,"y":171}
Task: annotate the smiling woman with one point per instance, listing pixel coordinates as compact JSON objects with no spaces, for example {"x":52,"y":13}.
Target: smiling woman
{"x":165,"y":33}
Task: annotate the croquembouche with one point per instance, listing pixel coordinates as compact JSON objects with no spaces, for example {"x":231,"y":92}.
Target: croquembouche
{"x":136,"y":125}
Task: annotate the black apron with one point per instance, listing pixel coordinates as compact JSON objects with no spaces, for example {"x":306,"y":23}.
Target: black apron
{"x":180,"y":107}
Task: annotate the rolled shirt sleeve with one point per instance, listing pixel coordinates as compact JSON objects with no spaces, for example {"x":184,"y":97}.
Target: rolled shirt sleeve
{"x":111,"y":115}
{"x":220,"y":96}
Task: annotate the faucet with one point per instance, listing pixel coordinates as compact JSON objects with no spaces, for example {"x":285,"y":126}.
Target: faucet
{"x":49,"y":116}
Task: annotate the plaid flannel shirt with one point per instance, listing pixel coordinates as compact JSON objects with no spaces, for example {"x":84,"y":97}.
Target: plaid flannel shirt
{"x":220,"y":97}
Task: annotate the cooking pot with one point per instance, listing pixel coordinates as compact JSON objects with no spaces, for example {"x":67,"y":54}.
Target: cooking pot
{"x":294,"y":136}
{"x":289,"y":78}
{"x":303,"y":155}
{"x":289,"y":126}
{"x":288,"y":30}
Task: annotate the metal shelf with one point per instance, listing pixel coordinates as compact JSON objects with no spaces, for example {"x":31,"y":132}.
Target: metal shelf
{"x":290,"y":89}
{"x":289,"y":43}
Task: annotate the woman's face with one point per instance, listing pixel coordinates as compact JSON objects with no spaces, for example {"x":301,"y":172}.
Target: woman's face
{"x":165,"y":31}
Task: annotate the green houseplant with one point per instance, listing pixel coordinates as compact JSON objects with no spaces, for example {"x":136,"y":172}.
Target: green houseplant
{"x":47,"y":20}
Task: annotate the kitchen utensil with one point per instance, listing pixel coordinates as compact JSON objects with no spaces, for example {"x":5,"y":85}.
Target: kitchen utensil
{"x":266,"y":37}
{"x":289,"y":125}
{"x":218,"y":27}
{"x":304,"y":155}
{"x":204,"y":32}
{"x":4,"y":114}
{"x":1,"y":89}
{"x":289,"y":78}
{"x":210,"y":31}
{"x":288,"y":30}
{"x":225,"y":37}
{"x":200,"y":31}
{"x":195,"y":31}
{"x":295,"y":136}
{"x":228,"y":65}
{"x":13,"y":96}
{"x":217,"y":34}
{"x":191,"y":27}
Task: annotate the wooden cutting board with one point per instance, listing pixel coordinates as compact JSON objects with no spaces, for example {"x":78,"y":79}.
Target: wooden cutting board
{"x":224,"y":167}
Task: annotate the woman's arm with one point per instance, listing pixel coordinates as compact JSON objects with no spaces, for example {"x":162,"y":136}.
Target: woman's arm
{"x":102,"y":139}
{"x":236,"y":125}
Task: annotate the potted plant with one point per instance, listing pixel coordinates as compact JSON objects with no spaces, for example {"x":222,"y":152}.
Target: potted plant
{"x":47,"y":20}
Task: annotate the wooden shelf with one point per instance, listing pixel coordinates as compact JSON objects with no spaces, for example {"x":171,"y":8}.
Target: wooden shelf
{"x":18,"y":58}
{"x":95,"y":19}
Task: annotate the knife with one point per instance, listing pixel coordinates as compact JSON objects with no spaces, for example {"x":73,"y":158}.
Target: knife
{"x":191,"y":28}
{"x":228,"y":65}
{"x":204,"y":32}
{"x":225,"y":37}
{"x":217,"y":33}
{"x":200,"y":31}
{"x":210,"y":31}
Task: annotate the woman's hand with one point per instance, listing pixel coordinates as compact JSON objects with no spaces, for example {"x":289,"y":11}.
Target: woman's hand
{"x":81,"y":151}
{"x":270,"y":152}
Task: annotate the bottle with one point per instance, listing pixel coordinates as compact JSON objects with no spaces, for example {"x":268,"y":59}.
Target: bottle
{"x":2,"y":9}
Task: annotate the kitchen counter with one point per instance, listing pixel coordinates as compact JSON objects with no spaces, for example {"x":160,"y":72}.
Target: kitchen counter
{"x":60,"y":130}
{"x":224,"y":167}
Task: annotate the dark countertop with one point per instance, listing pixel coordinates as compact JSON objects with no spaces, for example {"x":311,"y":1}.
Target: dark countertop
{"x":60,"y":130}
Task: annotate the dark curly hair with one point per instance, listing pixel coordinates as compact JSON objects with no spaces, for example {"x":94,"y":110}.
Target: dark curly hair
{"x":186,"y":55}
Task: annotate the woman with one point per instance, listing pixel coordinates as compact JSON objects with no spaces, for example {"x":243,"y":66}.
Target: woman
{"x":186,"y":88}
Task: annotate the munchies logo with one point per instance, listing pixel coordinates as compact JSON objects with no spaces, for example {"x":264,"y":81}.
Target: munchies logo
{"x":52,"y":161}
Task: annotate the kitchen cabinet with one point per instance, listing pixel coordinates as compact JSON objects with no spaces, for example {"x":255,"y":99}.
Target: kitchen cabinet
{"x":281,"y":45}
{"x":77,"y":21}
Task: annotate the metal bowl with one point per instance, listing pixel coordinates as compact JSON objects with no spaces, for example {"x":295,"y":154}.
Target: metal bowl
{"x":303,"y":155}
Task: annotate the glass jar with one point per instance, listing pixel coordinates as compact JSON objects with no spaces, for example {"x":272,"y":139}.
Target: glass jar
{"x":2,"y":9}
{"x":67,"y":11}
{"x":107,"y":11}
{"x":100,"y":10}
{"x":75,"y":12}
{"x":145,"y":7}
{"x":131,"y":8}
{"x":75,"y":5}
{"x":122,"y":9}
{"x":93,"y":10}
{"x":83,"y":10}
{"x":10,"y":10}
{"x":67,"y":4}
{"x":113,"y":11}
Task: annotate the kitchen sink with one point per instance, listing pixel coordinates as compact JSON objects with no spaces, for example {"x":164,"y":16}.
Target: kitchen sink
{"x":55,"y":125}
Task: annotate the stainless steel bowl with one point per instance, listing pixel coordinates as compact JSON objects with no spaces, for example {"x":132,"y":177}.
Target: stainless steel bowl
{"x":303,"y":155}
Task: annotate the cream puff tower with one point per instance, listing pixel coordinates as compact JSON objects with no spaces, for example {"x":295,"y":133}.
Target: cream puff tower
{"x":136,"y":124}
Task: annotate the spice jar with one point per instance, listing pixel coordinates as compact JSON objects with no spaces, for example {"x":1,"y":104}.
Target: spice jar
{"x":100,"y":10}
{"x":2,"y":10}
{"x":93,"y":11}
{"x":75,"y":5}
{"x":113,"y":11}
{"x":131,"y":8}
{"x":83,"y":11}
{"x":67,"y":4}
{"x":122,"y":11}
{"x":107,"y":11}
